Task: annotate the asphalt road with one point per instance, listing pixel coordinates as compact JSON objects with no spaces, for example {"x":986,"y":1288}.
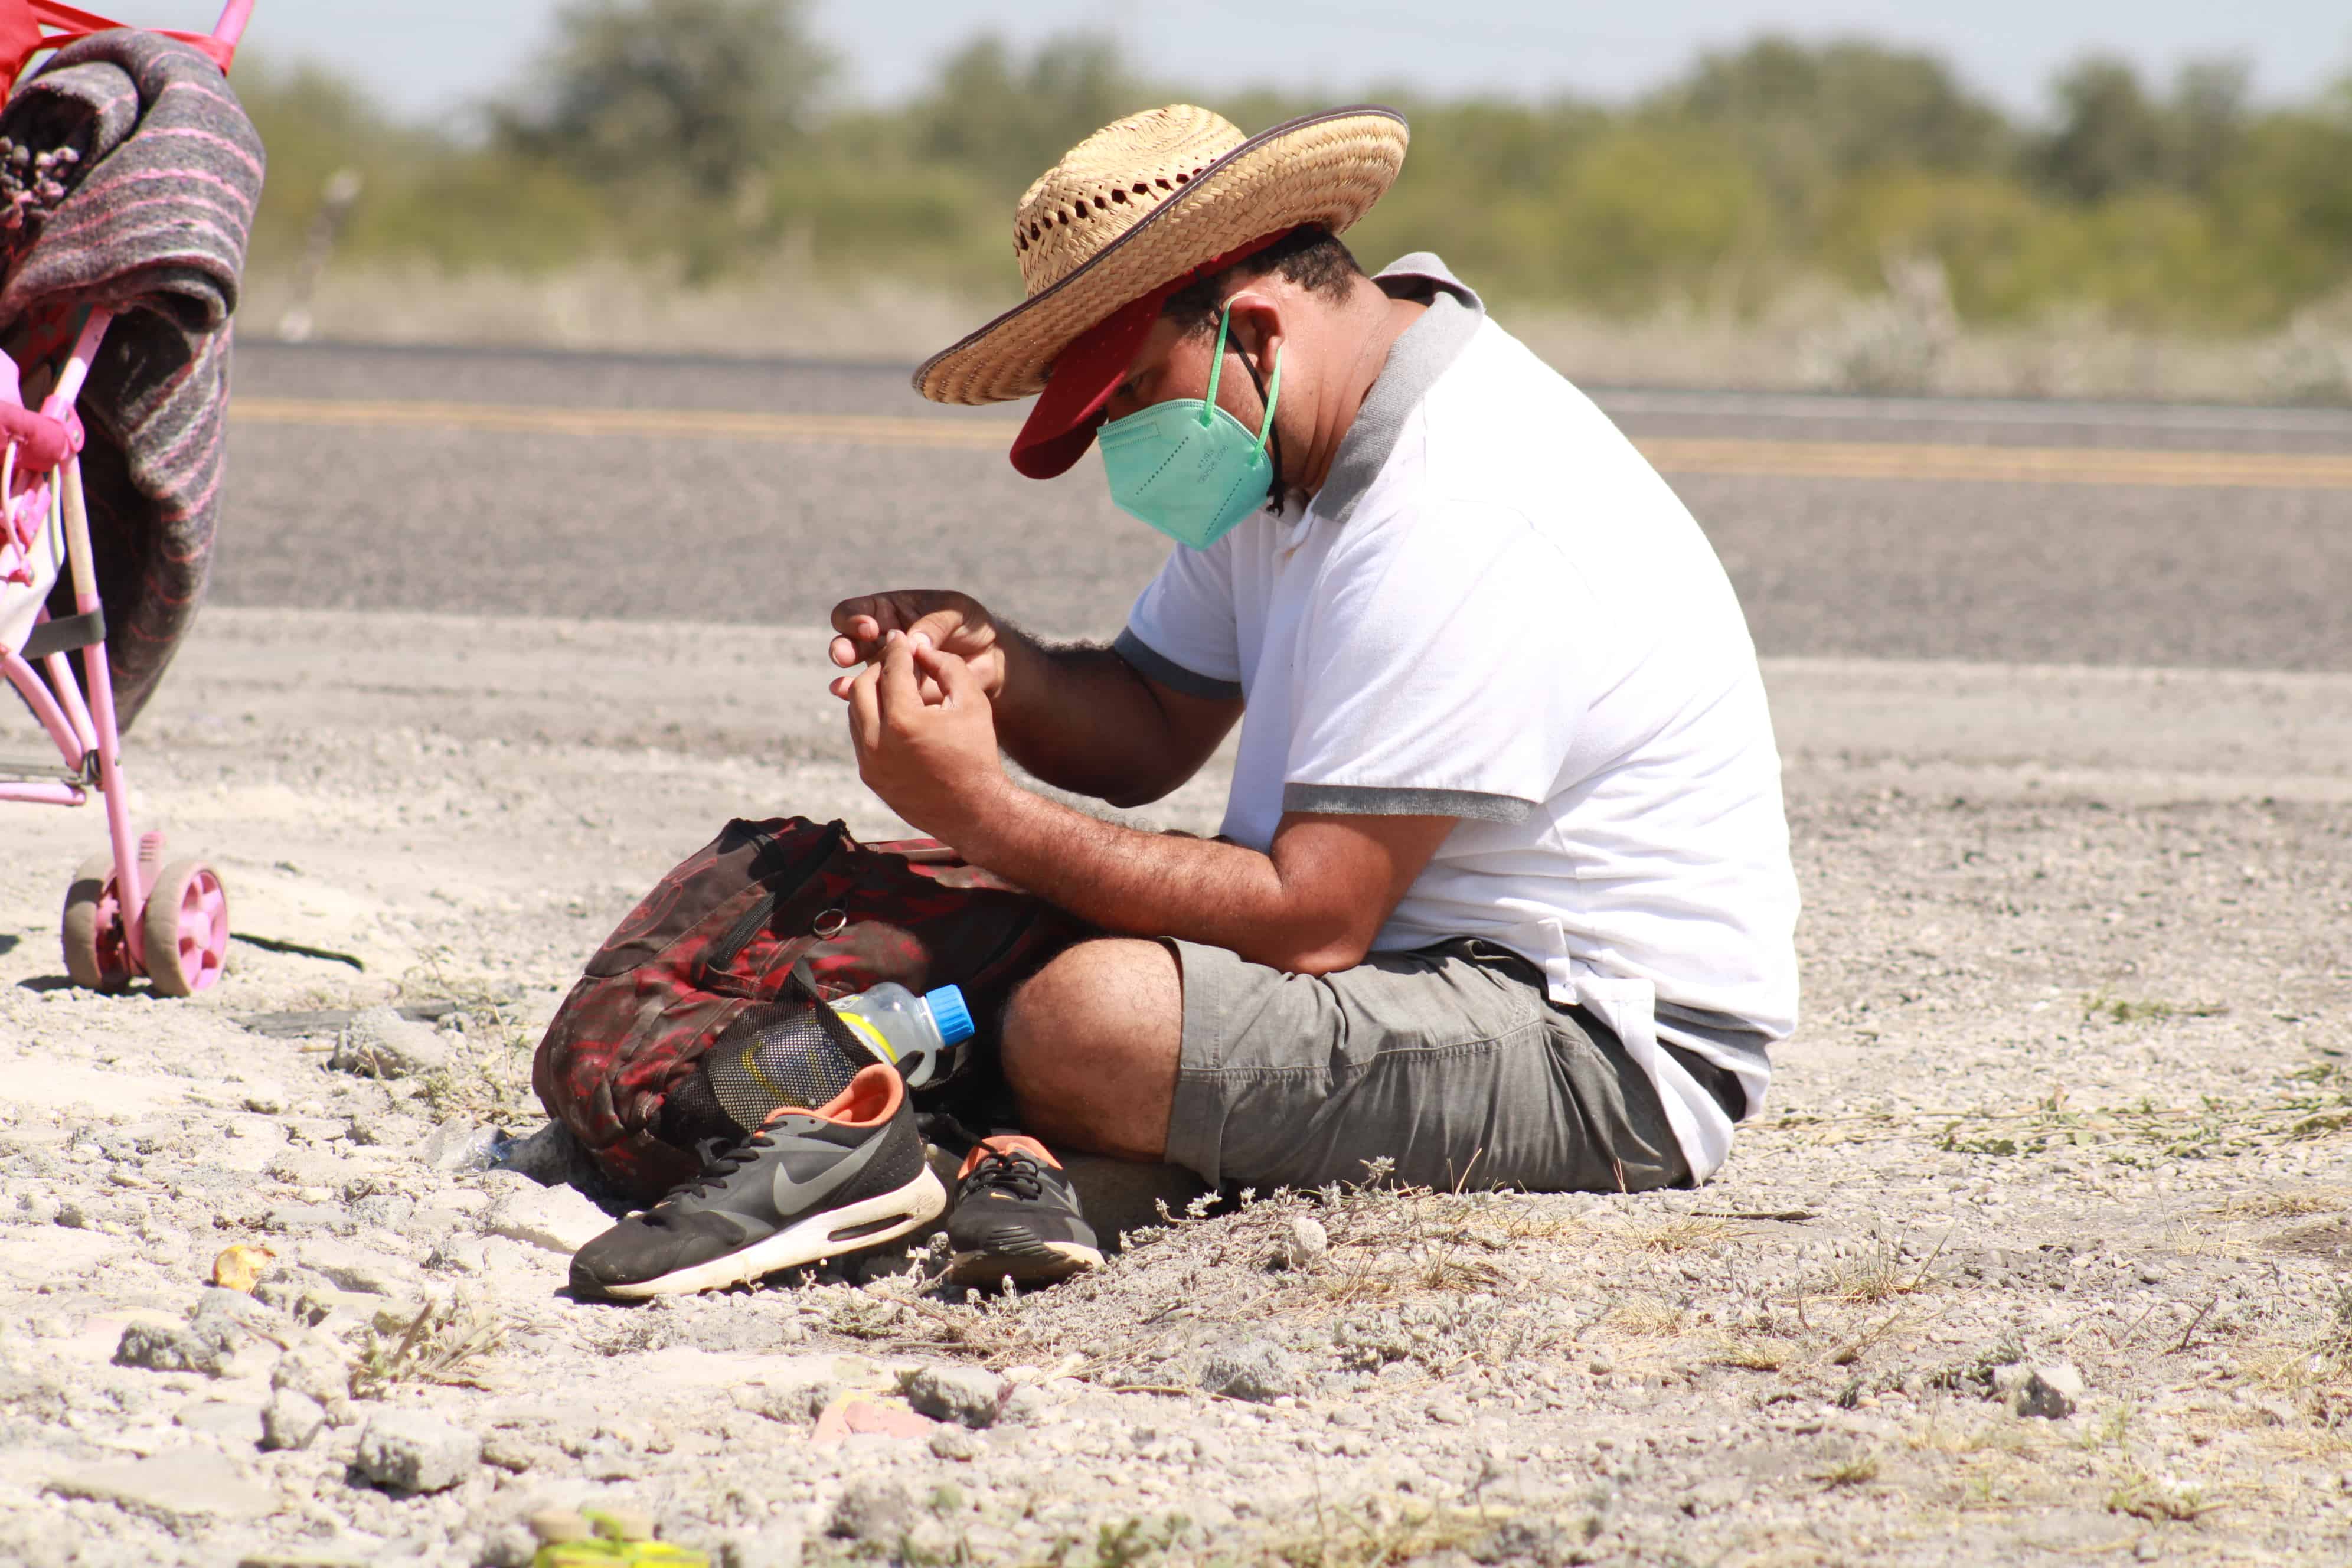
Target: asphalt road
{"x":518,"y":483}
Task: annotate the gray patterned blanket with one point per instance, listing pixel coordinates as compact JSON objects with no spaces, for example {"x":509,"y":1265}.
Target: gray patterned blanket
{"x":128,"y":175}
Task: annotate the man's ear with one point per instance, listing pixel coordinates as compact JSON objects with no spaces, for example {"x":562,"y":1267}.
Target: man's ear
{"x":1258,"y":328}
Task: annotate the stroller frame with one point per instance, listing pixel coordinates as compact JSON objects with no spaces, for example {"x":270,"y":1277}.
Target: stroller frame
{"x":127,"y":912}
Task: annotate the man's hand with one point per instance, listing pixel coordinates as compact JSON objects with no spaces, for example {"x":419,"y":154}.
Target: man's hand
{"x":932,"y":761}
{"x":950,"y":622}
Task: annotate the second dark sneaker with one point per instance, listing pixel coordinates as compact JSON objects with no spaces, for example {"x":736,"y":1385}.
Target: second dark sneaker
{"x":807,"y":1186}
{"x":1017,"y":1217}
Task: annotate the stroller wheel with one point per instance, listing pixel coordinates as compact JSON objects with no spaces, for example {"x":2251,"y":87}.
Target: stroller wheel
{"x":95,"y":958}
{"x":187,"y":927}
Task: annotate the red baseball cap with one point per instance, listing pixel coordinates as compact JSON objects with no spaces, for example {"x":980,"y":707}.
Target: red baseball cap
{"x":1062,"y":423}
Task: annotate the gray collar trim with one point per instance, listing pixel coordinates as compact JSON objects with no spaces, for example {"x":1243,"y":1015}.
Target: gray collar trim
{"x":1415,"y":361}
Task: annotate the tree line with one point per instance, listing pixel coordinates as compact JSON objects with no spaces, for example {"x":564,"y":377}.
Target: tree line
{"x":709,"y":135}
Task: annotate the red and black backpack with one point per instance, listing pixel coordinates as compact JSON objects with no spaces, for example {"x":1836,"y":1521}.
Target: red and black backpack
{"x":784,"y":911}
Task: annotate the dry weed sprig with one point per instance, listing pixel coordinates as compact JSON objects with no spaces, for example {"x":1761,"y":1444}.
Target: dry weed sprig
{"x":441,"y":1344}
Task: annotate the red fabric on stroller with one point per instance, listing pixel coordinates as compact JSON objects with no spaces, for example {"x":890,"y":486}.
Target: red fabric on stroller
{"x":21,"y":37}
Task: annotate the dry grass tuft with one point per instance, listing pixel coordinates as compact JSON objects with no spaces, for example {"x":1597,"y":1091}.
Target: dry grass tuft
{"x":1651,"y":1317}
{"x":2158,"y":1499}
{"x":1682,"y":1233}
{"x":1756,"y":1352}
{"x":441,"y":1344}
{"x":2289,"y":1205}
{"x":1880,"y":1277}
{"x":1854,"y":1471}
{"x":1383,"y":1534}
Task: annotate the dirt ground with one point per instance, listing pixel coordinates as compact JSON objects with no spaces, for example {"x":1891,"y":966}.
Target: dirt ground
{"x":2067,"y":1131}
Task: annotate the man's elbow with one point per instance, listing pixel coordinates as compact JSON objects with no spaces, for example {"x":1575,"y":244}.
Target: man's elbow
{"x":1326,"y":954}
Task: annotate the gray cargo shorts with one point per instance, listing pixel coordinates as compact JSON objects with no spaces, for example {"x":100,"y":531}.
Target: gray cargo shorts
{"x":1450,"y":1061}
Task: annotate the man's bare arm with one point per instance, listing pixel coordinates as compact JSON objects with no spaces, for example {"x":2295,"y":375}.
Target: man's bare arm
{"x":1079,"y":717}
{"x":1312,"y":904}
{"x":1083,"y":718}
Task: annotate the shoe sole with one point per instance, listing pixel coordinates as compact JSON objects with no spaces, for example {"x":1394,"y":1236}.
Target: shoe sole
{"x":1038,"y":1263}
{"x":852,"y":1227}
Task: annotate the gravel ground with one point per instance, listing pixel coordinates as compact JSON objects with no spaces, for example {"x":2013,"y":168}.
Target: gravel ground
{"x":2038,"y":1250}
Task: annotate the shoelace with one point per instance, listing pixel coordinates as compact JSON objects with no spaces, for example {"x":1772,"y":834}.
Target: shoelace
{"x":1014,"y":1171}
{"x":720,"y":1161}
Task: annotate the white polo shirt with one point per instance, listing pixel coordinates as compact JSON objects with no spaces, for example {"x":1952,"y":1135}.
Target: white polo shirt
{"x":1496,"y":610}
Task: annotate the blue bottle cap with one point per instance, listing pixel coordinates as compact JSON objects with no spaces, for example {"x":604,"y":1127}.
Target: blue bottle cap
{"x":949,"y":1012}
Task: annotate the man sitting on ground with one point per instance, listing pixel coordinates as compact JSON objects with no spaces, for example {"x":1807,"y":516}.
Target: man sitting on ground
{"x":1503,"y":893}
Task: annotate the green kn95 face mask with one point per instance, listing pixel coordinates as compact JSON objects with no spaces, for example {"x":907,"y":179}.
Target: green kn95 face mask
{"x":1188,"y":467}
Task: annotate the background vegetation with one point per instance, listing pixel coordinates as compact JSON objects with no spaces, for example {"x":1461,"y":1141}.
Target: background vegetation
{"x":705,"y":136}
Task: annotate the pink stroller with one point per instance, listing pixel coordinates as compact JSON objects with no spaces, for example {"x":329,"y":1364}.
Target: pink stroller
{"x":128,"y":912}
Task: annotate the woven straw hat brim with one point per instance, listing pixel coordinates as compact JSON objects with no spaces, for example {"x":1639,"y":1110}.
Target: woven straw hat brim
{"x":1326,"y":169}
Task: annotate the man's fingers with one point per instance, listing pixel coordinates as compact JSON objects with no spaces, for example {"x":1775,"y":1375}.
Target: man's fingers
{"x":934,"y":629}
{"x":955,"y":678}
{"x":898,"y":688}
{"x":840,"y":684}
{"x":866,"y":709}
{"x":843,"y":652}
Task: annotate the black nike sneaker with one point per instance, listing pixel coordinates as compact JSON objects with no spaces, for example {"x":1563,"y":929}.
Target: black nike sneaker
{"x":807,"y":1186}
{"x":1017,"y":1217}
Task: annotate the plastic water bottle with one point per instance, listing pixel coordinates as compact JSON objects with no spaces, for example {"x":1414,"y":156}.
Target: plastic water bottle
{"x":916,"y":1035}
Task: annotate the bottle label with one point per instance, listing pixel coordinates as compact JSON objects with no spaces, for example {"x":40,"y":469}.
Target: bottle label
{"x":865,"y":1030}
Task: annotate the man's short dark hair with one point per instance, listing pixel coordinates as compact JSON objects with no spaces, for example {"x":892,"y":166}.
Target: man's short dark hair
{"x":1310,"y":255}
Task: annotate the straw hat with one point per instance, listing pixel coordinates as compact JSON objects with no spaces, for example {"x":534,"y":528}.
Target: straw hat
{"x":1145,"y":201}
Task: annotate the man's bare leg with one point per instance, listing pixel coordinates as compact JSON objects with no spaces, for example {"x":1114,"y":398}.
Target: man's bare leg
{"x":1091,"y":1048}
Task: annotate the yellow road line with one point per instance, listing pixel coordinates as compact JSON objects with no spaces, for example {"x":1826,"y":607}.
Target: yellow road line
{"x":1674,"y":455}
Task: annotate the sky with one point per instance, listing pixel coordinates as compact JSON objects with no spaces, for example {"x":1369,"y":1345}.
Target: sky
{"x":432,"y":55}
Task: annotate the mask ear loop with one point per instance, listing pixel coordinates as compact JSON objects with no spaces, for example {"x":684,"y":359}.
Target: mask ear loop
{"x":1269,"y":395}
{"x":1216,"y":367}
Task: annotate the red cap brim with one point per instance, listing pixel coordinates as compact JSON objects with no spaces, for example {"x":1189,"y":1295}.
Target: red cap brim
{"x":1062,"y":425}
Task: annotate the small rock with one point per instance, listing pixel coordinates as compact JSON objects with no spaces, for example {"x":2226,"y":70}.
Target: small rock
{"x":552,"y":1157}
{"x":2050,"y":1392}
{"x":384,"y":1211}
{"x":1257,"y":1370}
{"x":955,"y":1443}
{"x":554,"y":1526}
{"x":872,"y":1507}
{"x":793,"y":1403}
{"x":508,"y":1546}
{"x":161,"y":1347}
{"x":361,"y":1270}
{"x":410,"y":1451}
{"x":512,"y":1453}
{"x":1449,"y":1411}
{"x":226,"y":1420}
{"x":966,"y":1395}
{"x":777,"y":1546}
{"x":619,"y":1523}
{"x":37,"y":1208}
{"x":389,"y":1130}
{"x":173,"y":1487}
{"x":459,"y":1144}
{"x":380,"y":1043}
{"x":296,"y":1219}
{"x":1307,"y":1243}
{"x":290,"y":1419}
{"x":1025,"y":1404}
{"x":231,"y":1320}
{"x":557,"y":1219}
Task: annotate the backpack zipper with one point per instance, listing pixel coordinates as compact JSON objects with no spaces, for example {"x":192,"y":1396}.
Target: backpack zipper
{"x":729,"y":948}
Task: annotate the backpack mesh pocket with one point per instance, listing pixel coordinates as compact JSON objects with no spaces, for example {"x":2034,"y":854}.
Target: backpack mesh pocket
{"x":794,"y":1051}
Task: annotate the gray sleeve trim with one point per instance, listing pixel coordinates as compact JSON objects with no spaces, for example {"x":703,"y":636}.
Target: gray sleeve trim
{"x":1153,"y":665}
{"x":1358,"y":800}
